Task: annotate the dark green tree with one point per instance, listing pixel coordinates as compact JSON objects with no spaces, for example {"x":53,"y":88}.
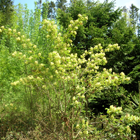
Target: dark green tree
{"x":39,"y":4}
{"x":45,"y":7}
{"x":48,"y":7}
{"x":61,"y":4}
{"x":51,"y":11}
{"x":101,"y":17}
{"x":138,"y":26}
{"x":6,"y":12}
{"x":105,"y":25}
{"x":6,"y":18}
{"x":123,"y":34}
{"x":134,"y":14}
{"x":130,"y":62}
{"x":134,"y":63}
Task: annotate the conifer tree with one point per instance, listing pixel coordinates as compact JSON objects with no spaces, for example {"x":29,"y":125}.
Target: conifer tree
{"x":106,"y":26}
{"x":101,"y":17}
{"x":61,"y":4}
{"x":6,"y":17}
{"x":39,"y":4}
{"x":49,"y":7}
{"x":138,"y":27}
{"x":6,"y":11}
{"x":134,"y":14}
{"x":51,"y":10}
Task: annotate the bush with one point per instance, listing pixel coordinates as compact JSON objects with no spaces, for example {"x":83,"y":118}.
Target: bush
{"x":52,"y":88}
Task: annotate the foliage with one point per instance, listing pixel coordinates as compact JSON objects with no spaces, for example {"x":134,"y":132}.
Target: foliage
{"x":61,"y":4}
{"x":51,"y":11}
{"x":133,"y":14}
{"x":134,"y":106}
{"x":6,"y":12}
{"x":101,"y":16}
{"x":48,"y":9}
{"x":49,"y":87}
{"x":117,"y":96}
{"x":106,"y":26}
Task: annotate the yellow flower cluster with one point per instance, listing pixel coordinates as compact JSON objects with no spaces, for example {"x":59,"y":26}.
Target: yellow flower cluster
{"x":114,"y":109}
{"x":128,"y":129}
{"x":62,"y":63}
{"x":112,"y":47}
{"x":25,"y":42}
{"x":27,"y":80}
{"x":83,"y":127}
{"x":50,"y":29}
{"x":68,"y":67}
{"x":131,"y":118}
{"x":2,"y":29}
{"x":15,"y":83}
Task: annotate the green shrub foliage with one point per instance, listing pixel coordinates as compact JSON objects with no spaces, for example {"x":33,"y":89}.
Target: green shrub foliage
{"x":48,"y":87}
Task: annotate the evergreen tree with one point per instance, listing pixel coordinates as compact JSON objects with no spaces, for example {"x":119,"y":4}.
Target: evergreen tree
{"x":106,"y":26}
{"x":134,"y":14}
{"x":6,"y":18}
{"x":61,"y":4}
{"x":138,"y":26}
{"x":51,"y":10}
{"x":134,"y":56}
{"x":39,"y":4}
{"x":49,"y":7}
{"x":101,"y":17}
{"x":6,"y":11}
{"x":45,"y":7}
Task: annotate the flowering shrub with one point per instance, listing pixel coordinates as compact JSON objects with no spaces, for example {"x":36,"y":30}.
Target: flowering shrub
{"x":124,"y":122}
{"x":57,"y":83}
